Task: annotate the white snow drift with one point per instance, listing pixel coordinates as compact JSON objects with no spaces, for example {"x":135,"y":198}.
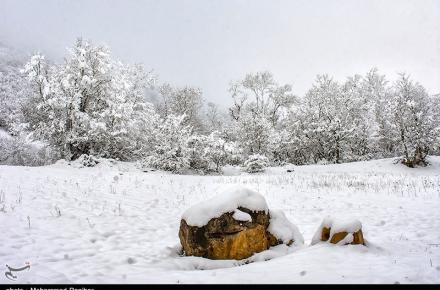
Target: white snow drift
{"x":283,"y":229}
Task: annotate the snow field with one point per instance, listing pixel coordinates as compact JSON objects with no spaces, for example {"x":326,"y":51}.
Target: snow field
{"x":117,"y":224}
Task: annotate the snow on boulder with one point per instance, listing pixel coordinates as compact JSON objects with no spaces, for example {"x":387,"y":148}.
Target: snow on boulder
{"x":340,"y":232}
{"x":228,"y":201}
{"x":241,"y":216}
{"x":234,"y":225}
{"x":282,"y":231}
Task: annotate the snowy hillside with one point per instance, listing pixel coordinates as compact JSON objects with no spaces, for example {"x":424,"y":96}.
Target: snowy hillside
{"x":114,"y":223}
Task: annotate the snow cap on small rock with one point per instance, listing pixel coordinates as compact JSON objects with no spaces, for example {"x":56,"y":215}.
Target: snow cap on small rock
{"x":339,"y":231}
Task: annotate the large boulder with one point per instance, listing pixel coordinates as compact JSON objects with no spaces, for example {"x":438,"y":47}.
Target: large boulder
{"x":226,"y":237}
{"x":234,"y":225}
{"x":340,"y":232}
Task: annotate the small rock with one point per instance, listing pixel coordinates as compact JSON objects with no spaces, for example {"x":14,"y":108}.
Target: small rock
{"x":341,"y":235}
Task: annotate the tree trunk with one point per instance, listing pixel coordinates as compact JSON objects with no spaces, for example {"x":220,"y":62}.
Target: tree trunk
{"x":337,"y":153}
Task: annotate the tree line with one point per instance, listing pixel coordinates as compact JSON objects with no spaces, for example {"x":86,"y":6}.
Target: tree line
{"x":94,"y":105}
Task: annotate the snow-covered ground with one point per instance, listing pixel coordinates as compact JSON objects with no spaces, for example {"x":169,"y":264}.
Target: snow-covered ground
{"x":114,"y":223}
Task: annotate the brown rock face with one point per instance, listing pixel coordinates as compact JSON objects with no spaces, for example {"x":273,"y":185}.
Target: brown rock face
{"x":226,"y":238}
{"x":240,"y":245}
{"x":325,"y":234}
{"x":358,"y":238}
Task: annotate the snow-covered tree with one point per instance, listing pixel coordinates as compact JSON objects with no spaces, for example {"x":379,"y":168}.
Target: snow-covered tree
{"x":170,"y":148}
{"x":218,"y":151}
{"x":19,"y":150}
{"x":279,"y":146}
{"x":253,"y":133}
{"x":324,"y":119}
{"x":378,"y":93}
{"x":196,"y":145}
{"x":209,"y":153}
{"x":91,"y":104}
{"x":13,"y":90}
{"x":361,"y":139}
{"x":262,"y":95}
{"x":413,"y":118}
{"x":215,"y":118}
{"x":259,"y":107}
{"x":234,"y":153}
{"x":330,"y":124}
{"x":178,"y":101}
{"x":129,"y":119}
{"x":435,"y":105}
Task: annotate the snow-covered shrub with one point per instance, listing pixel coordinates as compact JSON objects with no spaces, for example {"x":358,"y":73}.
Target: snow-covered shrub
{"x":323,"y":162}
{"x":256,"y":163}
{"x":279,"y":146}
{"x":18,"y":150}
{"x":197,"y":151}
{"x":253,"y":133}
{"x":208,"y":153}
{"x":88,"y":160}
{"x":217,"y":151}
{"x":234,"y":153}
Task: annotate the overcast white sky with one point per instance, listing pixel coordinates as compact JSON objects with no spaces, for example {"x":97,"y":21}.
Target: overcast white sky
{"x":207,"y":43}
